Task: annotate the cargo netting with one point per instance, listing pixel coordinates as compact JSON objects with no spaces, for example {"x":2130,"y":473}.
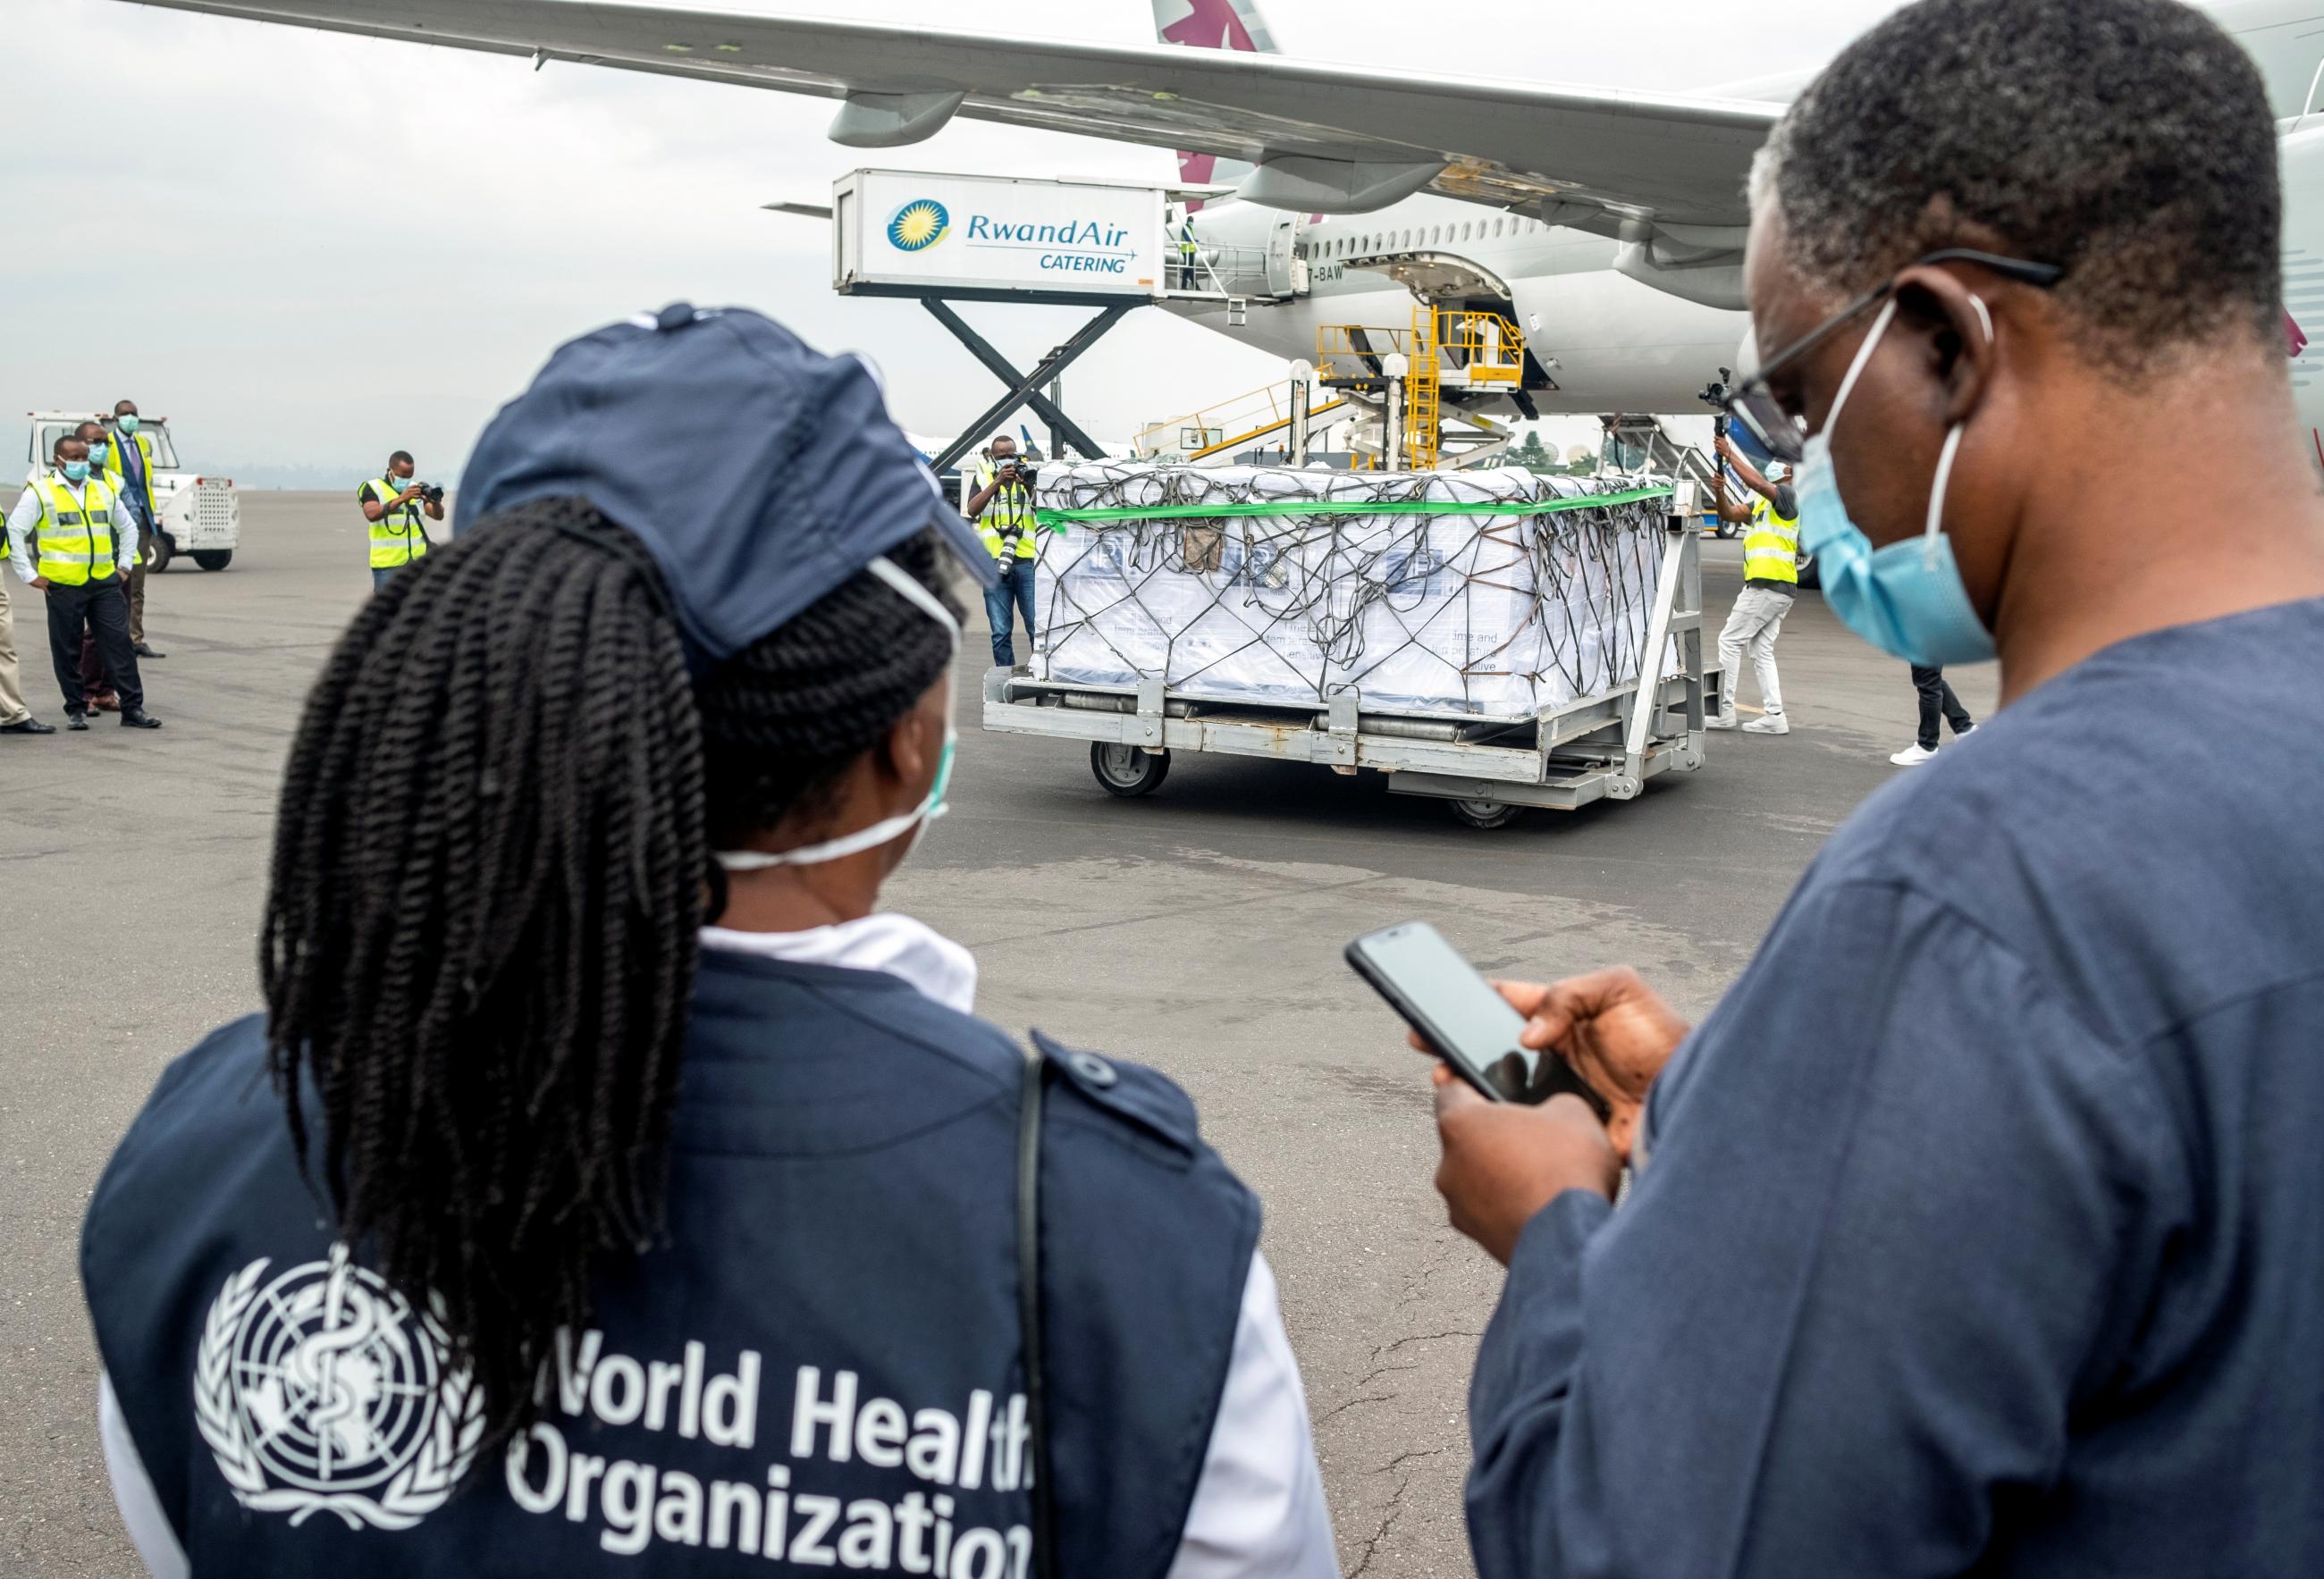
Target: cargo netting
{"x":1496,"y":594}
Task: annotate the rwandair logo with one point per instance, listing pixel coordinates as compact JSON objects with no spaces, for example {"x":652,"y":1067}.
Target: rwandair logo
{"x":918,"y":226}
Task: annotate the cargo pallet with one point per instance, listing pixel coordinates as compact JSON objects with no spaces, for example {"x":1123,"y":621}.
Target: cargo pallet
{"x":1604,"y":747}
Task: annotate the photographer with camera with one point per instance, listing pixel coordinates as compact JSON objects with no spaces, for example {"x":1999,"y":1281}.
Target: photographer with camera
{"x":392,"y":504}
{"x":1002,"y":509}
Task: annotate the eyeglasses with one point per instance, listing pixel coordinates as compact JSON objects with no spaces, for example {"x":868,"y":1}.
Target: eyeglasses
{"x":1784,"y":436}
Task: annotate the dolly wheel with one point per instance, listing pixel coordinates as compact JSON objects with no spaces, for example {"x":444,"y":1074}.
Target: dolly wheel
{"x":1129,"y":771}
{"x":1483,"y":813}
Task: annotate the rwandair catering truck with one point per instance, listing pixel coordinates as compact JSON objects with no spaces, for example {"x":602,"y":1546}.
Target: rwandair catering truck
{"x":196,"y":515}
{"x":911,"y":233}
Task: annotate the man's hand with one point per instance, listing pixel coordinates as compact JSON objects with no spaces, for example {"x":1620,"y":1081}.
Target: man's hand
{"x":1503,"y":1162}
{"x":408,"y":495}
{"x":1614,"y":1029}
{"x":1611,"y":1027}
{"x":40,"y":583}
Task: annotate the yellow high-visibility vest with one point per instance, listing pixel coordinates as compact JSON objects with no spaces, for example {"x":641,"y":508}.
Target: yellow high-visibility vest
{"x":75,"y":534}
{"x":1771,"y":548}
{"x":397,"y":538}
{"x":1009,"y":511}
{"x":117,"y":475}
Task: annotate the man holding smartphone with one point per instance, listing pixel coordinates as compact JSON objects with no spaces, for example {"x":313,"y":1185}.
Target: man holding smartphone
{"x":1975,"y":1229}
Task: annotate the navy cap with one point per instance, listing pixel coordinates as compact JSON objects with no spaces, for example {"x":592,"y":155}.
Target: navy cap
{"x":758,"y":471}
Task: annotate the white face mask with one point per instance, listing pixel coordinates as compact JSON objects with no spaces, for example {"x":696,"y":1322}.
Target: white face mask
{"x":888,"y":828}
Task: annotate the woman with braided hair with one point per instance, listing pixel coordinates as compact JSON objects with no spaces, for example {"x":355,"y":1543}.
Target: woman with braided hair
{"x":630,"y":1184}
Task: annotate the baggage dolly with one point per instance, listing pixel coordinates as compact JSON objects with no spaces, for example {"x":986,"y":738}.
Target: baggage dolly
{"x":1598,"y":747}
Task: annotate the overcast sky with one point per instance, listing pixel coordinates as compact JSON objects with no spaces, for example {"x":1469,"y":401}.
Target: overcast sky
{"x":307,"y":249}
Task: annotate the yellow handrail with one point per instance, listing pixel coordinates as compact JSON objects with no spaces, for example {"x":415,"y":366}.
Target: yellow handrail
{"x":1240,"y":439}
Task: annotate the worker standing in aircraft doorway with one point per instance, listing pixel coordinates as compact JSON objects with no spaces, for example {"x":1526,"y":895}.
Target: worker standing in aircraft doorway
{"x":1771,"y":579}
{"x":1002,"y":509}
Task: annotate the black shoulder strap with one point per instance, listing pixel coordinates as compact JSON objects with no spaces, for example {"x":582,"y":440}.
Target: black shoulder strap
{"x":1029,"y":1310}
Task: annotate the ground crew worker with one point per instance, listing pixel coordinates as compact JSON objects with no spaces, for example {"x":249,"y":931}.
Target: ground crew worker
{"x":98,"y":690}
{"x":1188,"y":251}
{"x":128,"y":465}
{"x":730,"y":1238}
{"x":83,"y":565}
{"x":1002,"y":509}
{"x":391,"y":505}
{"x":1771,"y":579}
{"x":16,"y":718}
{"x":1974,"y":1231}
{"x":1936,"y":700}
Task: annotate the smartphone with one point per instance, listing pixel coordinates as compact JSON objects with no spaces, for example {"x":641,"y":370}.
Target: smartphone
{"x":1457,"y":1011}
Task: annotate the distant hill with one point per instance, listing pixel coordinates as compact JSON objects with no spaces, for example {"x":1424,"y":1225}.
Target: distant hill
{"x":300,"y":479}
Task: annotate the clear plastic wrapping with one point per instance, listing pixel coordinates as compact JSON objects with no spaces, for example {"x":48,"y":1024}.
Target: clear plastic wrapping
{"x":1462,"y":609}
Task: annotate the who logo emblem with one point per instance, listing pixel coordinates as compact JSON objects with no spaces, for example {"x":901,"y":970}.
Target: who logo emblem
{"x":323,"y":1392}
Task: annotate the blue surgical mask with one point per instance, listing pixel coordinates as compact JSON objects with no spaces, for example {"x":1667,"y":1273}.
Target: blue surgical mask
{"x":76,"y":471}
{"x":127,"y":424}
{"x":931,"y":807}
{"x":97,"y":453}
{"x":1906,"y":599}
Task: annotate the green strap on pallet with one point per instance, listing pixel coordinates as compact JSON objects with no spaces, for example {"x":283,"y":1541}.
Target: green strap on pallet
{"x":1057,"y":520}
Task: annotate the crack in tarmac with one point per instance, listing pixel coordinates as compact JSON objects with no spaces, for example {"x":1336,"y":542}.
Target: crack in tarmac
{"x":1395,"y":1505}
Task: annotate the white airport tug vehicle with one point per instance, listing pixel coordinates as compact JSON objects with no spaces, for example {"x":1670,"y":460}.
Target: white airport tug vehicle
{"x":196,"y":515}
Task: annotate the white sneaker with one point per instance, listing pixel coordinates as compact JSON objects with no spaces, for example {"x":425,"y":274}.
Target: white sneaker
{"x":1720,"y":720}
{"x":1913,"y":756}
{"x":1774,"y":723}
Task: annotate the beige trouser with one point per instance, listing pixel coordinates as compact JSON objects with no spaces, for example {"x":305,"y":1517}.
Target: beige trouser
{"x":13,"y":709}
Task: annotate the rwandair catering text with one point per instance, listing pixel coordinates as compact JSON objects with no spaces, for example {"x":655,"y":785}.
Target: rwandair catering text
{"x":896,"y":231}
{"x":824,"y":1474}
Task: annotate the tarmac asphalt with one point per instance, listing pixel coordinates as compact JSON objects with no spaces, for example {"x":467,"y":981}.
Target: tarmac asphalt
{"x":1199,"y":929}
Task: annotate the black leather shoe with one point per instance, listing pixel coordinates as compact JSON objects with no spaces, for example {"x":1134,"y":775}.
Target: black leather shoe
{"x":75,"y":721}
{"x":28,"y":725}
{"x":144,"y":650}
{"x":137,"y":718}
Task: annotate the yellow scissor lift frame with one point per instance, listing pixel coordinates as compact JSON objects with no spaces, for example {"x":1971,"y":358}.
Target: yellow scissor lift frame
{"x":1469,"y":349}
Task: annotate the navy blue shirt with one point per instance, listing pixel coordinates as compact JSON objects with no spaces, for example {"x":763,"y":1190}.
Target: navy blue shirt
{"x":1982,"y":1224}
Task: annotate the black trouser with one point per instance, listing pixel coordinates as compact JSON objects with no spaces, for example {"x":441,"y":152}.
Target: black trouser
{"x":102,"y":606}
{"x":1937,"y":697}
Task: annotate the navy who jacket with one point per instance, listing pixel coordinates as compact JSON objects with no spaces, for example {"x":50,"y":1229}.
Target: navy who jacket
{"x":819,"y":1367}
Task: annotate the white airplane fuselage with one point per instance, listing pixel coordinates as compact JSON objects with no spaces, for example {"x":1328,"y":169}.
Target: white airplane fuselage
{"x":1613,"y":344}
{"x":1609,"y":343}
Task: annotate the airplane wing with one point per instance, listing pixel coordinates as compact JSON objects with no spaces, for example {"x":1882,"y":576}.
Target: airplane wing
{"x":1330,"y":138}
